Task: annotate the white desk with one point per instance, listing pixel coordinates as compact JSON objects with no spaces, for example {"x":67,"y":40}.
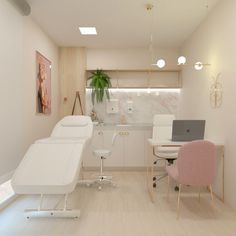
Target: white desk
{"x":165,"y":143}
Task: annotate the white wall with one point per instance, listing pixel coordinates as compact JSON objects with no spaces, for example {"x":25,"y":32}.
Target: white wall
{"x":137,"y":58}
{"x":20,"y":126}
{"x":214,"y":42}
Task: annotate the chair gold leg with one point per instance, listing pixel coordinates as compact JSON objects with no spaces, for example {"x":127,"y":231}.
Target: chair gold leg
{"x":199,"y":194}
{"x":210,"y":187}
{"x":168,"y":190}
{"x":178,"y":201}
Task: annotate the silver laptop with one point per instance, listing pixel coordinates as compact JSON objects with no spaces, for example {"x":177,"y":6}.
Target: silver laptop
{"x":188,"y":130}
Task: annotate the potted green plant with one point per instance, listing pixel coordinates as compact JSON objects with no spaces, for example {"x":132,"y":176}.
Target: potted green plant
{"x":100,"y":84}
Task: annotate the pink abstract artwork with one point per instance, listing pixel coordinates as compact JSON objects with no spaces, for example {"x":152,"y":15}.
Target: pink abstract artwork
{"x":43,"y":84}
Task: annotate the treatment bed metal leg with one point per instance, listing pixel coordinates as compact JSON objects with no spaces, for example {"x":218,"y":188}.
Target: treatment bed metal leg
{"x":52,"y":213}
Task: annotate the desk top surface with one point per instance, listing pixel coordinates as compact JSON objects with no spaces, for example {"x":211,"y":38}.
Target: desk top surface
{"x":156,"y":142}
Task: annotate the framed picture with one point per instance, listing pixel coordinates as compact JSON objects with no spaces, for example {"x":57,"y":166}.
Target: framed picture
{"x":43,"y":84}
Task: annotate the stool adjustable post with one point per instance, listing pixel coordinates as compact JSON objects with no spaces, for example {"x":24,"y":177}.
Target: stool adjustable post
{"x":102,"y":178}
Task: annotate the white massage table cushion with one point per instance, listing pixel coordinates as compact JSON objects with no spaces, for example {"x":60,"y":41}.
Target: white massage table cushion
{"x":52,"y":140}
{"x":49,"y":169}
{"x":52,"y":165}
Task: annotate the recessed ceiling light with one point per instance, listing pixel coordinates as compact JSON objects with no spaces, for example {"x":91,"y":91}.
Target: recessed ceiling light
{"x":88,"y":30}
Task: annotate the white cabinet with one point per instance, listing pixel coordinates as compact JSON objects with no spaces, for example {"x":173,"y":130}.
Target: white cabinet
{"x":147,"y":135}
{"x":134,"y":148}
{"x":128,"y":150}
{"x":97,"y":141}
{"x":117,"y":150}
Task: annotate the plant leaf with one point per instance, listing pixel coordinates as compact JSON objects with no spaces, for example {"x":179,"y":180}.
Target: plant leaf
{"x":100,"y":82}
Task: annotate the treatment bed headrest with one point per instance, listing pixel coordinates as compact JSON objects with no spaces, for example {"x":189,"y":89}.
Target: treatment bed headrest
{"x":73,"y":127}
{"x":75,"y":123}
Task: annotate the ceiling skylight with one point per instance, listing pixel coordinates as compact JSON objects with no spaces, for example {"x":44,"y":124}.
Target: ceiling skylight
{"x":88,"y":30}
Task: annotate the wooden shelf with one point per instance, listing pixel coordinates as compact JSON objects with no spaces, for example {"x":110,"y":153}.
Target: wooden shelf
{"x":143,"y":78}
{"x":137,"y":70}
{"x":87,"y":87}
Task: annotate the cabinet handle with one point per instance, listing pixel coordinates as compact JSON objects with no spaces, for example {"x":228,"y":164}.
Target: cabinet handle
{"x":100,"y":133}
{"x":122,"y":133}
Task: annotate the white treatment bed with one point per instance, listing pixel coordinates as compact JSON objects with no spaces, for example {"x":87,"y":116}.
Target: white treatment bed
{"x":52,"y":165}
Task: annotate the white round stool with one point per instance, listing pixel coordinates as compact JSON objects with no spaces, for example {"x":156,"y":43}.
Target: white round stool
{"x":102,"y":154}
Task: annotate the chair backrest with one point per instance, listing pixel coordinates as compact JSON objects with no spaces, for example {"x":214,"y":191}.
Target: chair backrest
{"x":162,"y":126}
{"x":74,"y":127}
{"x":196,"y":163}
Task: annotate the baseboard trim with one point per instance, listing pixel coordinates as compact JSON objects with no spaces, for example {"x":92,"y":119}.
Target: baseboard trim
{"x":8,"y":201}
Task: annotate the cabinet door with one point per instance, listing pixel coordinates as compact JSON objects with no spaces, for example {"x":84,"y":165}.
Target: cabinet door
{"x":134,"y":143}
{"x":117,"y":149}
{"x":97,"y":142}
{"x":147,"y":135}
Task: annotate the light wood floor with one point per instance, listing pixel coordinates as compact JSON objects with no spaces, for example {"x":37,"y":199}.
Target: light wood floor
{"x":124,"y":211}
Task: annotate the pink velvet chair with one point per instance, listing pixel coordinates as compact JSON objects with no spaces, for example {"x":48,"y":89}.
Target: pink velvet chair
{"x":195,"y":166}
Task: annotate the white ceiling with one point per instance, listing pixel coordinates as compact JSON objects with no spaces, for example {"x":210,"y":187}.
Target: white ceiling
{"x":120,"y":23}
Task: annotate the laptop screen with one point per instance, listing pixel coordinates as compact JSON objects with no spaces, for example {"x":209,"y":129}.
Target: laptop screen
{"x":188,"y":130}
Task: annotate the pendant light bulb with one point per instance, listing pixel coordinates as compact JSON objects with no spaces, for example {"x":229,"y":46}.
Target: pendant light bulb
{"x":182,"y":60}
{"x":161,"y":63}
{"x":198,"y":66}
